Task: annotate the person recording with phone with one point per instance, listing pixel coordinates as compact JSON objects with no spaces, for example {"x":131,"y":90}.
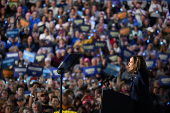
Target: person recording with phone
{"x":140,"y":85}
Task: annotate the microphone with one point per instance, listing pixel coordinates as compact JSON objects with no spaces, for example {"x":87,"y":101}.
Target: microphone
{"x":108,"y":79}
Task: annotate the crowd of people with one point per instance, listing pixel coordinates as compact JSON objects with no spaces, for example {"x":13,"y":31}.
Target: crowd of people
{"x":52,"y":32}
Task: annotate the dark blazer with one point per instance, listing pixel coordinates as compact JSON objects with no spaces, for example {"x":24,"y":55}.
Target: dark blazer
{"x":140,"y":92}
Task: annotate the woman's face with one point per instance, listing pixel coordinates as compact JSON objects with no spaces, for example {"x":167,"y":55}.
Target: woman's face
{"x":131,"y":64}
{"x":45,"y":10}
{"x":108,"y":10}
{"x":101,"y":20}
{"x":87,"y":11}
{"x":38,"y":4}
{"x":29,"y":39}
{"x":2,"y":10}
{"x":150,"y":47}
{"x":72,"y":12}
{"x":43,"y":19}
{"x":8,"y":109}
{"x":146,"y":23}
{"x":60,"y":10}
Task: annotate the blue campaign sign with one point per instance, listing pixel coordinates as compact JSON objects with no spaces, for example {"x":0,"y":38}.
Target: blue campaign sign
{"x":112,"y":70}
{"x":29,"y":56}
{"x":163,"y":56}
{"x":27,"y":92}
{"x":12,"y":55}
{"x":19,"y":71}
{"x":90,"y":71}
{"x":34,"y":71}
{"x":40,"y":57}
{"x":100,"y":44}
{"x":150,"y":64}
{"x":84,"y":28}
{"x":88,"y":47}
{"x":113,"y":34}
{"x":78,"y":22}
{"x":8,"y":62}
{"x":12,"y":33}
{"x":46,"y":73}
{"x":112,"y":58}
{"x":54,"y":72}
{"x":126,"y":53}
{"x":164,"y":81}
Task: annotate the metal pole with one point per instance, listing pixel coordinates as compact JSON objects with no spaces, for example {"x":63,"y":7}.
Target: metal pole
{"x":61,"y":83}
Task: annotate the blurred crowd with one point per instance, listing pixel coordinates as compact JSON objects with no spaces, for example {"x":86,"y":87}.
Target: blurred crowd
{"x":51,"y":26}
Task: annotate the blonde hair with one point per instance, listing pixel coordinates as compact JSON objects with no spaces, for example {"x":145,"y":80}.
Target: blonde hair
{"x":161,"y":49}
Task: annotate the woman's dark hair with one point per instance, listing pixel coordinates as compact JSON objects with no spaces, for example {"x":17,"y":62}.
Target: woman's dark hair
{"x":141,"y":64}
{"x":5,"y":12}
{"x":43,"y":16}
{"x":31,"y":37}
{"x":84,"y":13}
{"x":82,"y":109}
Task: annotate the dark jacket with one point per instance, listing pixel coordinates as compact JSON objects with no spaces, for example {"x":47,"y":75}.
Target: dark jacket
{"x":140,"y":91}
{"x":32,"y":46}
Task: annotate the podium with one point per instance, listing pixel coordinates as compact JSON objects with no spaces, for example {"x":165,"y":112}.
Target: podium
{"x":114,"y":102}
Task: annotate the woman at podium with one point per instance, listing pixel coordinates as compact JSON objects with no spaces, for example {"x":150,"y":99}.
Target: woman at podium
{"x":140,"y":85}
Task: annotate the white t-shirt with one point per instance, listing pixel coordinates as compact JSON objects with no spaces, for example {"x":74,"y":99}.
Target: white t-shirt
{"x":65,"y":25}
{"x":46,"y":24}
{"x":152,"y":8}
{"x":55,"y":11}
{"x":49,"y":37}
{"x":138,"y":14}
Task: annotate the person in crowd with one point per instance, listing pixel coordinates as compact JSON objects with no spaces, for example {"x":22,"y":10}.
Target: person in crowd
{"x":65,"y":103}
{"x":149,"y":50}
{"x":140,"y":82}
{"x":57,"y":59}
{"x":29,"y":44}
{"x":155,"y":11}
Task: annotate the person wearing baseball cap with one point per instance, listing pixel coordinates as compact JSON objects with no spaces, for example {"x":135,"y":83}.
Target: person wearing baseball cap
{"x":45,"y":102}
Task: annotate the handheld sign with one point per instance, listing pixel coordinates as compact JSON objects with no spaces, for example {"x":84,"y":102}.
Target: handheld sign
{"x":126,"y":53}
{"x":164,"y":81}
{"x":163,"y":56}
{"x":40,"y":57}
{"x":100,"y":44}
{"x":90,"y":71}
{"x":14,"y":55}
{"x":78,"y":22}
{"x":112,"y":70}
{"x":65,"y":111}
{"x":12,"y":33}
{"x":27,"y":92}
{"x":41,"y":28}
{"x":54,"y":72}
{"x":46,"y":73}
{"x":122,"y":15}
{"x":34,"y":71}
{"x":125,"y":31}
{"x":112,"y":58}
{"x":113,"y":34}
{"x":7,"y":73}
{"x":88,"y":47}
{"x":29,"y":56}
{"x":24,"y":23}
{"x":13,"y":3}
{"x":19,"y":71}
{"x":84,"y":28}
{"x":150,"y":64}
{"x":8,"y":62}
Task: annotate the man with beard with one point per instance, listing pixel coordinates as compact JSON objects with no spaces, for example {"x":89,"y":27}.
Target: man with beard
{"x":45,"y":100}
